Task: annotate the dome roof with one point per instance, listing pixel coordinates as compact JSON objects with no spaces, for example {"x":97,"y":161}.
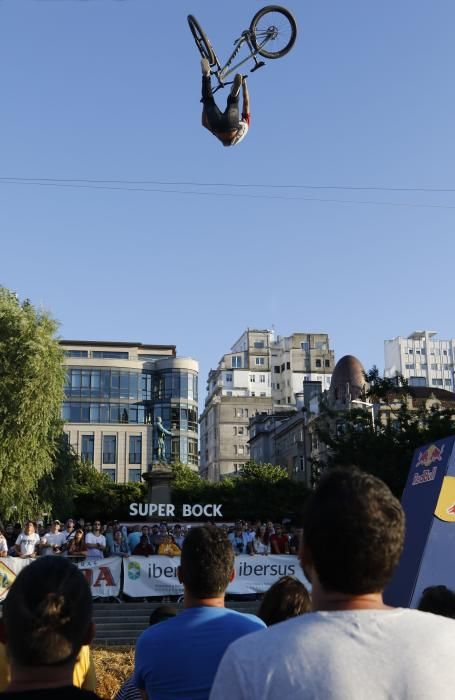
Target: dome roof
{"x":348,"y":371}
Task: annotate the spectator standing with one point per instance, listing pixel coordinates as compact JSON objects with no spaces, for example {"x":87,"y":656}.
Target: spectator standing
{"x":134,"y":537}
{"x":353,"y":645}
{"x":69,"y":532}
{"x":77,"y":549}
{"x":178,"y":536}
{"x":95,"y":541}
{"x":27,"y":542}
{"x":46,"y":621}
{"x":260,"y":544}
{"x":200,"y":634}
{"x":144,"y":548}
{"x":238,"y":539}
{"x":168,"y":548}
{"x":53,"y":541}
{"x":119,"y":546}
{"x":279,"y":541}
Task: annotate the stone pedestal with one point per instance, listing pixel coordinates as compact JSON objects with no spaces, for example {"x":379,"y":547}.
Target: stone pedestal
{"x":158,"y":479}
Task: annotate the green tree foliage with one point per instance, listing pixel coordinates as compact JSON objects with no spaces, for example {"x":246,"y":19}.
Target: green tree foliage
{"x":31,"y":393}
{"x":56,"y":489}
{"x":260,"y":492}
{"x":96,"y":496}
{"x":385,"y":449}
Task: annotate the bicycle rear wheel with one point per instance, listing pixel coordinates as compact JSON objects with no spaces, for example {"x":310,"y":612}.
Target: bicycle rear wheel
{"x":202,"y":41}
{"x":275,"y":26}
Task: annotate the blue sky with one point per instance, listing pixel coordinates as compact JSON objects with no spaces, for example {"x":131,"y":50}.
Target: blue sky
{"x":109,"y":90}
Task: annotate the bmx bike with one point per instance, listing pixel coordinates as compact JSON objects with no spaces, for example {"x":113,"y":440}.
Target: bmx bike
{"x":272,"y":34}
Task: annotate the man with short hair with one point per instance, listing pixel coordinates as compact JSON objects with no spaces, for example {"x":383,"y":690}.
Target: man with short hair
{"x":52,"y":541}
{"x":279,"y":541}
{"x":27,"y":542}
{"x":200,"y":635}
{"x":95,"y":541}
{"x":353,"y":645}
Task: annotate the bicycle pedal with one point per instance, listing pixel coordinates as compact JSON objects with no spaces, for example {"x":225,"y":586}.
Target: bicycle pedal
{"x":258,"y":65}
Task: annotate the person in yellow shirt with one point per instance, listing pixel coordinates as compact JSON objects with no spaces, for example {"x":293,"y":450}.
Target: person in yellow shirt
{"x":168,"y":548}
{"x":84,"y":675}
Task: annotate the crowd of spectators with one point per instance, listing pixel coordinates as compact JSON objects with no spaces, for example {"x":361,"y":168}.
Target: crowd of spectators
{"x":350,"y":645}
{"x":80,"y":539}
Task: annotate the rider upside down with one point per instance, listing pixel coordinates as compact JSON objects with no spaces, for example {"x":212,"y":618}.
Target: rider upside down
{"x":227,"y":126}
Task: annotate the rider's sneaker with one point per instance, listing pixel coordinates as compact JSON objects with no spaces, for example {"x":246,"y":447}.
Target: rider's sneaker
{"x":205,"y":66}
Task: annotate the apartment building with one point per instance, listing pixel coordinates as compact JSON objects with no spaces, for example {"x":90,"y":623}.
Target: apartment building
{"x":422,"y":359}
{"x":262,"y":373}
{"x":113,"y":394}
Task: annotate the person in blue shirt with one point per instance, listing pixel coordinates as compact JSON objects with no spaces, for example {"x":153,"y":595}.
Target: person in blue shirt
{"x":198,"y":636}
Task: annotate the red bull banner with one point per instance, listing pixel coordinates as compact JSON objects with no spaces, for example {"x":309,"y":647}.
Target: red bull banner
{"x":157,"y":575}
{"x":428,"y":500}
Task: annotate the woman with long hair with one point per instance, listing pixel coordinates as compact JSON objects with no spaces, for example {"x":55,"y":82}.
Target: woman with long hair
{"x":260,"y":544}
{"x":76,"y":547}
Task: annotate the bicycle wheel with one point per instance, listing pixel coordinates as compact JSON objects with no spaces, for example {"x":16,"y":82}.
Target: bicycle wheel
{"x":275,"y":26}
{"x":202,"y":42}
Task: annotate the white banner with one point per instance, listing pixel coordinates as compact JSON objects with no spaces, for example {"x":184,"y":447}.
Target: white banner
{"x":157,"y":576}
{"x":9,"y":569}
{"x":103,"y":575}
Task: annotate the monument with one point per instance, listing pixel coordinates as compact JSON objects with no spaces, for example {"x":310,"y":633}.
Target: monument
{"x":159,"y":475}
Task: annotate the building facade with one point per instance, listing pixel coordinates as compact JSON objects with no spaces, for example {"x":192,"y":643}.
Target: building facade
{"x":262,"y":374}
{"x":114,"y":392}
{"x":421,"y":359}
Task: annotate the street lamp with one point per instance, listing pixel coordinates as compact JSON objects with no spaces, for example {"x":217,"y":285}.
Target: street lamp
{"x":368,"y":405}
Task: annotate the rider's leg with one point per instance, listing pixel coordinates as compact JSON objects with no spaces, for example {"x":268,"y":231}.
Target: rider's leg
{"x":211,"y":110}
{"x":231,"y":113}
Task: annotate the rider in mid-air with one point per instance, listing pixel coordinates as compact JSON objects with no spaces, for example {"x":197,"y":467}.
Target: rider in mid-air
{"x":227,"y":126}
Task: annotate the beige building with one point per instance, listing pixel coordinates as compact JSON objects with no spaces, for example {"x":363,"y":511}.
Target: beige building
{"x":261,"y":374}
{"x":114,"y":392}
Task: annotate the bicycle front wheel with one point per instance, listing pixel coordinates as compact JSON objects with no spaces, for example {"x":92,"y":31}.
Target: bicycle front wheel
{"x":273,"y":31}
{"x":202,"y":41}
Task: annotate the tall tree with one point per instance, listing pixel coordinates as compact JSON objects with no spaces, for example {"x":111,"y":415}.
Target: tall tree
{"x":31,"y":393}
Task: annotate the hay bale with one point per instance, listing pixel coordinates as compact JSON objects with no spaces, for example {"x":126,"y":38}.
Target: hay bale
{"x":113,"y":667}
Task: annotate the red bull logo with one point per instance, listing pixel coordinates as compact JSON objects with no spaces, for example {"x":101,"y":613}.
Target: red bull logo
{"x":427,"y":457}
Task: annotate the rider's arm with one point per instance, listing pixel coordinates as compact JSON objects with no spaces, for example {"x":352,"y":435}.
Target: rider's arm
{"x":246,"y":99}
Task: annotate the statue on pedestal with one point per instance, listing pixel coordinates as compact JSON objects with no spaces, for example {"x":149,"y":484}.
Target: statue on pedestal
{"x":161,"y":432}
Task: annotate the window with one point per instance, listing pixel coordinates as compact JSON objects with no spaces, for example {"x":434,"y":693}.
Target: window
{"x":276,"y":369}
{"x":260,"y":360}
{"x":240,"y":430}
{"x":229,"y":378}
{"x":289,"y":399}
{"x":318,"y":363}
{"x":110,"y":355}
{"x":447,"y":382}
{"x":305,"y":345}
{"x":434,"y":366}
{"x":236,"y":361}
{"x":409,"y":366}
{"x":319,"y":345}
{"x":253,"y":393}
{"x":110,"y":473}
{"x":262,"y":393}
{"x":410,"y":351}
{"x":135,"y":452}
{"x":252,"y":377}
{"x":326,"y":363}
{"x":262,"y":378}
{"x":417,"y":381}
{"x":88,"y":448}
{"x":239,"y":449}
{"x":76,"y":353}
{"x":134,"y":475}
{"x":437,"y":382}
{"x":277,"y":386}
{"x":288,"y":365}
{"x":283,"y":367}
{"x":109,"y":449}
{"x":258,"y":343}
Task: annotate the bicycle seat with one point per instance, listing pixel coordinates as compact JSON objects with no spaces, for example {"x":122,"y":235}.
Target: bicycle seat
{"x":258,"y":65}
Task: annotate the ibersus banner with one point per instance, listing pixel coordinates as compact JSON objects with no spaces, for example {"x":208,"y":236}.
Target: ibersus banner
{"x":157,"y":575}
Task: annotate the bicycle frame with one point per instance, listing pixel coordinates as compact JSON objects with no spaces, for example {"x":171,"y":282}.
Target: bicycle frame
{"x":224,"y":71}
